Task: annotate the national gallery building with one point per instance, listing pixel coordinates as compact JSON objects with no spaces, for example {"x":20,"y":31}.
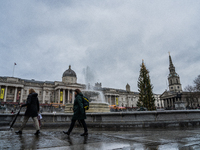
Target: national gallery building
{"x":15,"y":90}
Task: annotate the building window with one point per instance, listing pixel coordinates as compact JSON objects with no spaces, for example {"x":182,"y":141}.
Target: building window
{"x":171,"y":87}
{"x":10,"y":91}
{"x":176,"y":80}
{"x":178,"y":87}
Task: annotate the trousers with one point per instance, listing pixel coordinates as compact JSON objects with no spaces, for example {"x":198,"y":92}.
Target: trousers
{"x":25,"y":121}
{"x":73,"y":123}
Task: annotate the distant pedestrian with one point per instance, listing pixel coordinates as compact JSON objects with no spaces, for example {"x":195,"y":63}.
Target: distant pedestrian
{"x":32,"y":110}
{"x":79,"y":113}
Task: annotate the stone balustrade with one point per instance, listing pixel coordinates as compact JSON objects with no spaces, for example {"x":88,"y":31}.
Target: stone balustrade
{"x":120,"y":119}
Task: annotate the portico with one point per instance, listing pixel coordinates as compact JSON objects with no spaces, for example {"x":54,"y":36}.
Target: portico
{"x":65,"y":95}
{"x":11,"y":92}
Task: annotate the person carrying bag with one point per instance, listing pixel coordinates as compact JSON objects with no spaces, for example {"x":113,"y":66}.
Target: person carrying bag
{"x":32,"y":110}
{"x":79,"y":113}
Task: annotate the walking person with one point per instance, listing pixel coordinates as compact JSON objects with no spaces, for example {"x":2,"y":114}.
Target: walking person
{"x":32,"y":110}
{"x":79,"y":113}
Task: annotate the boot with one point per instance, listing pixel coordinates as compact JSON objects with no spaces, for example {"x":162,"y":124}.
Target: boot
{"x":37,"y":132}
{"x":84,"y":134}
{"x":68,"y":133}
{"x":18,"y":132}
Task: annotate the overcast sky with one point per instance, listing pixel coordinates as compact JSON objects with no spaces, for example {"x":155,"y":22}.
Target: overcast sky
{"x":111,"y":37}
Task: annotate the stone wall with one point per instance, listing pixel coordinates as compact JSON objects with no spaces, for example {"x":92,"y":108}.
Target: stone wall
{"x":119,"y":119}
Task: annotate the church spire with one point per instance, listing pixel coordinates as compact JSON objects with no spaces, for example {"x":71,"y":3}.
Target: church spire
{"x":171,"y":66}
{"x":173,"y":78}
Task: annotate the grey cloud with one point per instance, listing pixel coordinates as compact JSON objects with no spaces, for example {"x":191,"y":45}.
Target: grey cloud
{"x":111,"y":37}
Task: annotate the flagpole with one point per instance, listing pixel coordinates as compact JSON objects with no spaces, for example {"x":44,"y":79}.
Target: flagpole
{"x":13,"y":69}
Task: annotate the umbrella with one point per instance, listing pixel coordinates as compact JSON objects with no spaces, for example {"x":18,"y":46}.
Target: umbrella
{"x":15,"y":118}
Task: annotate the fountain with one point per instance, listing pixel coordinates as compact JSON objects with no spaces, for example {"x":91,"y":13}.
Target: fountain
{"x":96,"y":97}
{"x":97,"y":102}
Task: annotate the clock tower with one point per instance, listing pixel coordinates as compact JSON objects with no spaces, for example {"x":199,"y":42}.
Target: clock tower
{"x":173,"y":78}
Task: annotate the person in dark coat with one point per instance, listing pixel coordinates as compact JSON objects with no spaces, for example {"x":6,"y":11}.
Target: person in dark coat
{"x":32,"y":110}
{"x":79,"y":113}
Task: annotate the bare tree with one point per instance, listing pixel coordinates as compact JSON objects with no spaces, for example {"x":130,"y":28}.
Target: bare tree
{"x":191,"y":96}
{"x":197,"y":83}
{"x":189,"y":88}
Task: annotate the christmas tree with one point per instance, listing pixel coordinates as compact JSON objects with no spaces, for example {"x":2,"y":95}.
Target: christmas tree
{"x":146,"y":98}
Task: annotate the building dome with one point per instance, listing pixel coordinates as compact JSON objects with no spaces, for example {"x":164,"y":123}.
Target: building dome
{"x":69,"y":72}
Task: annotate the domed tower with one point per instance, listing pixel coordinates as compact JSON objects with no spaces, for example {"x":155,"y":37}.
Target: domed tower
{"x":69,"y":76}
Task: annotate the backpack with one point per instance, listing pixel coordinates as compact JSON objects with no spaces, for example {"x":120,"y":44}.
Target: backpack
{"x":85,"y":102}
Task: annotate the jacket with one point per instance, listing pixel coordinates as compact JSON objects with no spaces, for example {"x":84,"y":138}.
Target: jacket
{"x":79,"y":111}
{"x":32,"y":104}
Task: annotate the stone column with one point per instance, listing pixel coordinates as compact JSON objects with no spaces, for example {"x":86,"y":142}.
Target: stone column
{"x":110,"y":100}
{"x":0,"y":91}
{"x":21,"y":97}
{"x":165,"y":102}
{"x":72,"y":96}
{"x":64,"y":96}
{"x":169,"y":102}
{"x":43,"y":96}
{"x":15,"y":96}
{"x":68,"y":96}
{"x":59,"y":96}
{"x":5,"y":94}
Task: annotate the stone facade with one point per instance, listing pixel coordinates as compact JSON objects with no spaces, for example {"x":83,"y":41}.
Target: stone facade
{"x":175,"y":94}
{"x":16,"y":90}
{"x":121,"y":98}
{"x":158,"y":102}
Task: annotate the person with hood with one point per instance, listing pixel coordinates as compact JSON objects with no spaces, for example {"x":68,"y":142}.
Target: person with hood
{"x":32,"y":110}
{"x":79,"y":113}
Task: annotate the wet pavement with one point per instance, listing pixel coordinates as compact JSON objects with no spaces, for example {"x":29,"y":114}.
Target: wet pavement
{"x":104,"y":139}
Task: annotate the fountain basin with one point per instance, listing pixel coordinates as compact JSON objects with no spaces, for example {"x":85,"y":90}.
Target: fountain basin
{"x":94,"y":107}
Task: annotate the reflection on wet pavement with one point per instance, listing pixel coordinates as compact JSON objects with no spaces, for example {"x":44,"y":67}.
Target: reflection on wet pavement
{"x":134,"y":139}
